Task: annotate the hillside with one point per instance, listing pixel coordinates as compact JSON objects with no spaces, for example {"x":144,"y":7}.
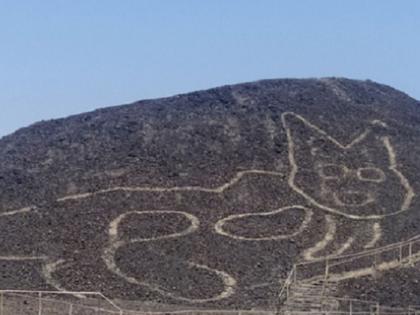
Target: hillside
{"x":207,"y":199}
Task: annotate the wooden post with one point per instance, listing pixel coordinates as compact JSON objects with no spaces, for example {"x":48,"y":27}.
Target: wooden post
{"x":410,"y":252}
{"x":1,"y":303}
{"x":71,"y":309}
{"x":375,"y":265}
{"x":351,"y":307}
{"x":375,"y":258}
{"x":39,"y":303}
{"x":327,"y":268}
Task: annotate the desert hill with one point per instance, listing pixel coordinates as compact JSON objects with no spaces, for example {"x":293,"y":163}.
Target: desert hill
{"x":207,"y":199}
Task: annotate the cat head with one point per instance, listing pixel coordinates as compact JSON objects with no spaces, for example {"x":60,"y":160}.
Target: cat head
{"x":359,"y":180}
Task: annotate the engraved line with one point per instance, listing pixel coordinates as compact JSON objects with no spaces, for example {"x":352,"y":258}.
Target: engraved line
{"x":47,"y":271}
{"x":355,"y":141}
{"x":217,"y":190}
{"x":13,"y":212}
{"x":373,"y":269}
{"x":342,"y":249}
{"x":219,"y":225}
{"x":377,"y":234}
{"x":21,"y":258}
{"x":331,"y":225}
{"x":393,"y":167}
{"x":115,"y":243}
{"x":114,"y":225}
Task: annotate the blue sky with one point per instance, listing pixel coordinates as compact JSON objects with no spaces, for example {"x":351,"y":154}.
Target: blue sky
{"x":64,"y":57}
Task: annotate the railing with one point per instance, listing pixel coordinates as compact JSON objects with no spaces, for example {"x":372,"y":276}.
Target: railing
{"x":202,"y":312}
{"x":405,"y":312}
{"x":13,"y":302}
{"x":351,"y":306}
{"x":285,"y":288}
{"x":353,"y":265}
{"x":355,"y":306}
{"x":414,"y":309}
{"x":358,"y":264}
{"x":20,"y":302}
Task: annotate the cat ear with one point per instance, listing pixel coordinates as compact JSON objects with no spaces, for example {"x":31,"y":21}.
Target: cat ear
{"x":306,"y":139}
{"x":372,"y":145}
{"x":377,"y":149}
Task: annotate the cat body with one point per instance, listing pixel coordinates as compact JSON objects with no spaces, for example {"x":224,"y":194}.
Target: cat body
{"x":163,"y":244}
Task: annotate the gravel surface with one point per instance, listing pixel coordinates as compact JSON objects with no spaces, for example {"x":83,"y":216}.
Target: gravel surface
{"x":188,"y":200}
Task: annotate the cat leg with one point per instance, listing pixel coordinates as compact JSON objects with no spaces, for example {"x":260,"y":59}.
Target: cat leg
{"x":331,"y":230}
{"x":366,"y":234}
{"x":376,"y":236}
{"x":344,"y":236}
{"x":331,"y":245}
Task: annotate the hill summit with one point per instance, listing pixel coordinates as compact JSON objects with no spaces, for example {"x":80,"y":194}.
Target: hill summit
{"x":207,"y":199}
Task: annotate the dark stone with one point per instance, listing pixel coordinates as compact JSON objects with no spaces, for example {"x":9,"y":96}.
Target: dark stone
{"x":211,"y":139}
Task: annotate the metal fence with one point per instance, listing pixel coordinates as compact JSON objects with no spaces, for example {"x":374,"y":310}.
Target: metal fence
{"x":353,"y":265}
{"x":19,"y":302}
{"x":348,"y":266}
{"x":345,"y":266}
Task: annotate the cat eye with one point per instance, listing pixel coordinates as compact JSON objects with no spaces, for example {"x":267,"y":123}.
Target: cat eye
{"x":371,"y":174}
{"x":332,"y":171}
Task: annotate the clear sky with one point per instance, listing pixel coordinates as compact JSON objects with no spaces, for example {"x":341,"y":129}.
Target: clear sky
{"x":64,"y":57}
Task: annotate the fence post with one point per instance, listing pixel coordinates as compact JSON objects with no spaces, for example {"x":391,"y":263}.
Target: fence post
{"x":351,"y":307}
{"x":71,"y":309}
{"x":327,"y":268}
{"x":375,"y":259}
{"x":39,"y":303}
{"x":410,"y":252}
{"x":1,"y":303}
{"x":377,"y":308}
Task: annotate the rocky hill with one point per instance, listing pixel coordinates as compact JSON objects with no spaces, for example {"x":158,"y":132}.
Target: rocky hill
{"x":206,"y":200}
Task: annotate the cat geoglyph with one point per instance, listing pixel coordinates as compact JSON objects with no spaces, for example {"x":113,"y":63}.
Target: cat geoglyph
{"x":352,"y":180}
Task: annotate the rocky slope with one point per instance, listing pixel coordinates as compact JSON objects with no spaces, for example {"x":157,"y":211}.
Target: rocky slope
{"x":207,"y":199}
